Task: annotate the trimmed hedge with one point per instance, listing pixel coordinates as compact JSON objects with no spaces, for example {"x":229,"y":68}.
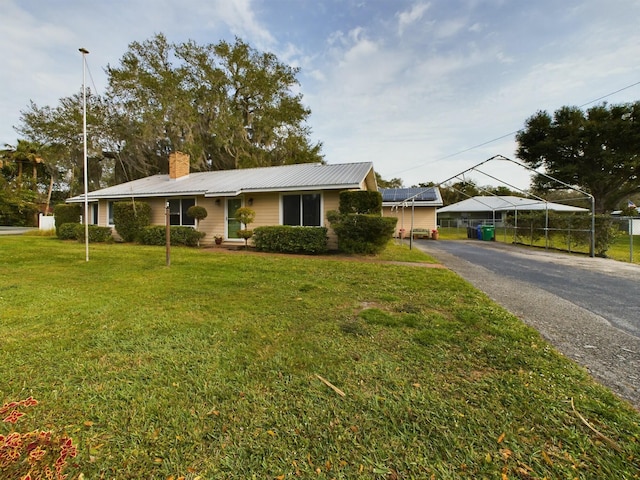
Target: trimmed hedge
{"x":289,"y":239}
{"x":156,"y":235}
{"x":363,"y":234}
{"x":67,"y":231}
{"x":97,"y":234}
{"x":360,"y":201}
{"x":66,"y":213}
{"x":129,"y":218}
{"x":75,"y":231}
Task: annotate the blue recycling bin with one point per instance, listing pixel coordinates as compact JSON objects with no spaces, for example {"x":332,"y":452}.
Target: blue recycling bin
{"x":479,"y":232}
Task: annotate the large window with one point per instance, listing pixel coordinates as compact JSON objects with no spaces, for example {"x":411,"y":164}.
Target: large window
{"x":302,"y":209}
{"x":178,"y":211}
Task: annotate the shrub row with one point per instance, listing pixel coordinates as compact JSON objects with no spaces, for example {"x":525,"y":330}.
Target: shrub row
{"x":288,"y":239}
{"x":75,"y":231}
{"x":156,"y":235}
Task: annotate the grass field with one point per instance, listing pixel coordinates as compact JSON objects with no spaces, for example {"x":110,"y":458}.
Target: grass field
{"x":210,"y":369}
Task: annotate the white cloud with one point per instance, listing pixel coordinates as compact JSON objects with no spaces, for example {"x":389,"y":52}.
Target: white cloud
{"x":405,"y":89}
{"x":411,"y":16}
{"x":239,"y":15}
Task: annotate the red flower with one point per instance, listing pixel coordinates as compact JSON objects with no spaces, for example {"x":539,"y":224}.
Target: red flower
{"x":13,"y":416}
{"x":30,"y":402}
{"x":36,"y":454}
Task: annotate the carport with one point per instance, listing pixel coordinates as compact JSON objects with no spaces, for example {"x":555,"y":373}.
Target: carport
{"x":496,"y":203}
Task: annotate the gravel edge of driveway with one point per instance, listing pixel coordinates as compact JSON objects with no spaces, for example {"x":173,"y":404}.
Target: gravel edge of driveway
{"x":611,"y":355}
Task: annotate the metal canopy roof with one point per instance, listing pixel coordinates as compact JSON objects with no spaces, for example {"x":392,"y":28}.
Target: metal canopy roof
{"x":304,"y":176}
{"x":505,"y":203}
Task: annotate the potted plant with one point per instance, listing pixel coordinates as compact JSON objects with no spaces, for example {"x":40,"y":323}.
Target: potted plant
{"x":217,"y":239}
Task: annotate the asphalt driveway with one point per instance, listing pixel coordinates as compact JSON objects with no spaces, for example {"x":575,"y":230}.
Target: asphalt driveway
{"x":14,"y":230}
{"x":589,"y":308}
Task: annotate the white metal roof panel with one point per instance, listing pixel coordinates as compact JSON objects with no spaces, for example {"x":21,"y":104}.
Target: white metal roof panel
{"x":305,"y":176}
{"x":505,"y":203}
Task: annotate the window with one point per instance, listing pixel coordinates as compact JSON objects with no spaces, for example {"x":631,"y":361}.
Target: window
{"x":94,"y":214}
{"x":302,"y":210}
{"x":178,"y":211}
{"x":110,"y":213}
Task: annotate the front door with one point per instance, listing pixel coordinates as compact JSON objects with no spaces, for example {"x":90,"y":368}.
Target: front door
{"x":233,"y":225}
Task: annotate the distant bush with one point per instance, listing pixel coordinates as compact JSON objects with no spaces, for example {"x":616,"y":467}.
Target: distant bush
{"x":288,"y":239}
{"x":66,"y":213}
{"x":129,"y":218}
{"x":156,"y":235}
{"x":573,"y":229}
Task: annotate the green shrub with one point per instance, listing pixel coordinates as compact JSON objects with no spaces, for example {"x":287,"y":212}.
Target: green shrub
{"x":97,"y":234}
{"x":289,"y":239}
{"x":67,"y":231}
{"x":156,"y":235}
{"x":75,"y":231}
{"x":66,"y":213}
{"x":360,"y":201}
{"x":129,"y":218}
{"x":197,"y":212}
{"x":363,"y":234}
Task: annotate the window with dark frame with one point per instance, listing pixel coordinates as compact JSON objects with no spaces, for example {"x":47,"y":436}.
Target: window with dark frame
{"x":301,"y":210}
{"x":178,"y":212}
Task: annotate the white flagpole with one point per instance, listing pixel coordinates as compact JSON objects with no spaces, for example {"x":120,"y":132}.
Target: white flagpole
{"x":84,"y":52}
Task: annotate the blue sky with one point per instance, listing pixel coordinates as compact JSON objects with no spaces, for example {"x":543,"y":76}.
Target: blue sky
{"x":410,"y":85}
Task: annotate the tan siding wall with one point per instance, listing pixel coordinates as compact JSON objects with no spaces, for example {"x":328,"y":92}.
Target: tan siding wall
{"x":331,"y":202}
{"x":423,"y":218}
{"x":266,"y":206}
{"x":214,"y":223}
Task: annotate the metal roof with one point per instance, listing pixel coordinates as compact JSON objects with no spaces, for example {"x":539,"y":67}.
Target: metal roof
{"x":505,"y":203}
{"x":422,"y":196}
{"x":304,"y":176}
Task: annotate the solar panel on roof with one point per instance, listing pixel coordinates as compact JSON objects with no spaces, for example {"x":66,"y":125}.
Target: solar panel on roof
{"x":401,"y":194}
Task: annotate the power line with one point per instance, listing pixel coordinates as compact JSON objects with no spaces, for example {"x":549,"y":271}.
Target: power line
{"x":508,"y":134}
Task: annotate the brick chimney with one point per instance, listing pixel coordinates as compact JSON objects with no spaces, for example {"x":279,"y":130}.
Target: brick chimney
{"x":178,"y":165}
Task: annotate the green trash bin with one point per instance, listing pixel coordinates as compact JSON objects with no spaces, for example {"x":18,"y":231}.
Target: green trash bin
{"x":488,"y":232}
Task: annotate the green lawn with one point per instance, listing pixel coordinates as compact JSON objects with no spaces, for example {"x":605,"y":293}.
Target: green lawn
{"x":208,"y":369}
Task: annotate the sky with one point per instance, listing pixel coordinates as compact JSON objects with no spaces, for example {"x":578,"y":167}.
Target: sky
{"x":426,"y":90}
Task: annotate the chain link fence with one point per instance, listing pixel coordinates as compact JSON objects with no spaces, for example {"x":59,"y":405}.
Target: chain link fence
{"x":615,"y":237}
